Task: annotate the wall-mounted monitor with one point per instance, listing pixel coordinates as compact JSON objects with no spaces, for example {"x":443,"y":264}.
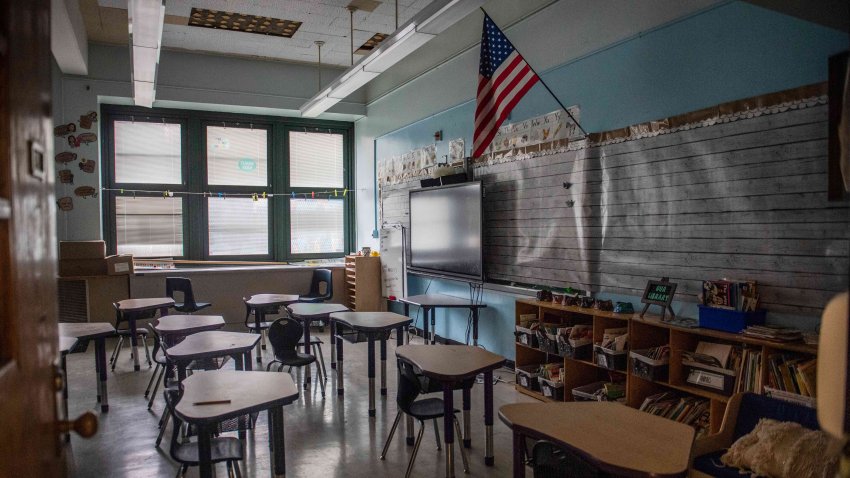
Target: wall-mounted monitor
{"x":446,"y":231}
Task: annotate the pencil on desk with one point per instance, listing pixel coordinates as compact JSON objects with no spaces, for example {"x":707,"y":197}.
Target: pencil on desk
{"x":212,"y":402}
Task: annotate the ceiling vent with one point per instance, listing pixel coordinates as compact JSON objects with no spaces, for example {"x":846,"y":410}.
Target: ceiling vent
{"x":239,"y":22}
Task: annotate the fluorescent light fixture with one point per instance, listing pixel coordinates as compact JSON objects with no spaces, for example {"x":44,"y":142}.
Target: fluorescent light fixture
{"x":145,"y":22}
{"x":395,"y":49}
{"x":425,"y":25}
{"x":143,"y":93}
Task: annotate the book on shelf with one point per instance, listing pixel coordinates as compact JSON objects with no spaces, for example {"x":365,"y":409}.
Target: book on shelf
{"x":773,"y":333}
{"x":793,"y":374}
{"x":749,"y":372}
{"x":689,"y":410}
{"x":740,"y":295}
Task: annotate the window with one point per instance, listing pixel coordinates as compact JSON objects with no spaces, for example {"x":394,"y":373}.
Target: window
{"x":316,"y":160}
{"x":204,"y":186}
{"x":317,"y":226}
{"x":147,"y":153}
{"x":149,"y":226}
{"x":238,"y":226}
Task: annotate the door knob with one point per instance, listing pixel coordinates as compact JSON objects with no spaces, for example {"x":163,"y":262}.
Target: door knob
{"x":85,"y":425}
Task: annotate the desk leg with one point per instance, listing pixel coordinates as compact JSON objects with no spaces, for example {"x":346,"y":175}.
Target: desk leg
{"x":278,"y":446}
{"x":333,"y":343}
{"x":181,"y":371}
{"x":449,"y":428}
{"x":134,"y":341}
{"x":475,"y":326}
{"x":467,"y":424}
{"x":100,"y":357}
{"x":246,"y":362}
{"x":205,"y":465}
{"x":339,"y":360}
{"x":407,"y":314}
{"x":383,"y":367}
{"x":238,"y":361}
{"x":489,"y":459}
{"x":259,"y":318}
{"x":308,"y":376}
{"x":519,"y":455}
{"x":371,"y":373}
{"x":64,"y":364}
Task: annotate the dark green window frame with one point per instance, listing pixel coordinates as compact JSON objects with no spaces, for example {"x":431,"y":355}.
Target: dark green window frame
{"x":194,"y":168}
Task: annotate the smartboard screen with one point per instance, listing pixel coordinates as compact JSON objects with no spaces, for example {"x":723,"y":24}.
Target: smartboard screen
{"x":445,"y":231}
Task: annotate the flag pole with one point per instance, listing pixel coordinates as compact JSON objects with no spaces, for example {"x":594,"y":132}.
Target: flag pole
{"x":540,"y":78}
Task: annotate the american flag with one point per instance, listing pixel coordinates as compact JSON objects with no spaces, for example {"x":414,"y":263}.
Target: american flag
{"x":503,"y":79}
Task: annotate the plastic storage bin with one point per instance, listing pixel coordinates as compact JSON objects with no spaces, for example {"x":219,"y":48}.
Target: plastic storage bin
{"x":729,"y":320}
{"x":587,"y":393}
{"x":714,"y":379}
{"x":527,"y":377}
{"x":610,"y":359}
{"x":550,"y":389}
{"x":547,"y":342}
{"x":526,"y":336}
{"x":575,"y":349}
{"x":647,"y":368}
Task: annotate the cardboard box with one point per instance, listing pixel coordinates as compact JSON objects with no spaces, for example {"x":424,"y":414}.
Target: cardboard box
{"x":119,"y":265}
{"x":82,"y":267}
{"x":82,"y":250}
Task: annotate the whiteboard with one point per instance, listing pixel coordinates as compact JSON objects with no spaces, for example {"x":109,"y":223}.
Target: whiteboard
{"x":392,"y":261}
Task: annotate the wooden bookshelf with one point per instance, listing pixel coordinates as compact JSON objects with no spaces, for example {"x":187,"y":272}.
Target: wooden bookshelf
{"x":644,"y":333}
{"x":363,"y":283}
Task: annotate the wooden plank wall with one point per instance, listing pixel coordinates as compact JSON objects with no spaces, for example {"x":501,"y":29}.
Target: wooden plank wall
{"x":744,"y":199}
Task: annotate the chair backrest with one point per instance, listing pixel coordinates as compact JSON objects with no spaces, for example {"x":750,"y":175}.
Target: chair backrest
{"x":551,"y":461}
{"x":321,"y":276}
{"x":158,"y":347}
{"x":182,"y":285}
{"x":755,"y":407}
{"x":284,"y":335}
{"x":409,"y":386}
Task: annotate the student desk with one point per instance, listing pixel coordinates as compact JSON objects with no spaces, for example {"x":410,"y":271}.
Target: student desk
{"x":306,"y":313}
{"x":262,"y":304}
{"x":245,"y":392}
{"x":375,"y":326}
{"x":432,"y":302}
{"x":452,"y":365}
{"x":131,"y":309}
{"x":213,"y":344}
{"x":97,"y":331}
{"x":616,"y":439}
{"x":174,"y":327}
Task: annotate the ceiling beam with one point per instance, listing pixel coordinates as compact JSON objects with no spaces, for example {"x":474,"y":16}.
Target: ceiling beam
{"x":68,"y":40}
{"x":829,"y":13}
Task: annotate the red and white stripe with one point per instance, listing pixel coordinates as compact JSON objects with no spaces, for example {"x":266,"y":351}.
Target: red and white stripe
{"x":497,"y":97}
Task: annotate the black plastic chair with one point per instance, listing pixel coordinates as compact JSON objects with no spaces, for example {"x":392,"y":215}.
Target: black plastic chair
{"x":184,"y":286}
{"x":320,"y":276}
{"x":141,"y":334}
{"x":284,"y":335}
{"x":161,"y":364}
{"x":223,"y":449}
{"x":409,"y":388}
{"x":550,"y":461}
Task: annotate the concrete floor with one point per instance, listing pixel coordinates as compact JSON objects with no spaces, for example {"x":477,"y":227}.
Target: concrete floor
{"x":330,"y":437}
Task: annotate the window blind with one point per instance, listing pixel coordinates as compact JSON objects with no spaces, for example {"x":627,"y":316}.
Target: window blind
{"x":237,"y":156}
{"x":149,"y":226}
{"x":148,"y":153}
{"x":238,"y":226}
{"x":317,"y":226}
{"x":316,"y":160}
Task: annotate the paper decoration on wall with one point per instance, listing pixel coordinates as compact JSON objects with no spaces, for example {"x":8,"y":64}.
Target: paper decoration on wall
{"x":66,"y":176}
{"x":550,"y":131}
{"x":87,"y":119}
{"x":456,"y":152}
{"x":65,"y":129}
{"x":82,"y":138}
{"x":407,"y":166}
{"x":65,"y":203}
{"x":87,"y":165}
{"x":85,"y":191}
{"x":66,"y":157}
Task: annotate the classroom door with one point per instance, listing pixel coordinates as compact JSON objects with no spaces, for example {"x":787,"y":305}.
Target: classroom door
{"x":29,"y":443}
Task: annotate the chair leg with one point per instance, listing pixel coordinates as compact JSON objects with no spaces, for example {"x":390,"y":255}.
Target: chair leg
{"x":151,"y":381}
{"x":390,"y":437}
{"x":415,"y":449}
{"x":147,"y":350}
{"x":263,"y":338}
{"x":459,"y":442}
{"x":320,"y":378}
{"x":236,"y":469}
{"x":318,"y":350}
{"x":166,"y":417}
{"x":437,"y":434}
{"x":117,"y":352}
{"x":159,"y":380}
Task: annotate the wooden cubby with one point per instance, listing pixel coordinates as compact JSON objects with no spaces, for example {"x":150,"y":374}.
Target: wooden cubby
{"x":644,"y":333}
{"x":363,"y":283}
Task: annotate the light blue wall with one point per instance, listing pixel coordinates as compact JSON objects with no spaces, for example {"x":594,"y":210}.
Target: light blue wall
{"x":731,"y":52}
